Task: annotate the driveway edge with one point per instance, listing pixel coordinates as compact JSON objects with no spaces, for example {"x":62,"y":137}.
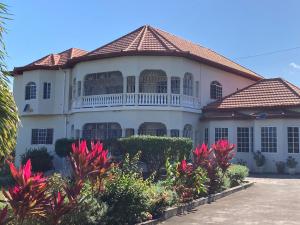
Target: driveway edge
{"x":180,"y":209}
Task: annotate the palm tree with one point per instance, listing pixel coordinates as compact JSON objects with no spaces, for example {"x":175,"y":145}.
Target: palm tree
{"x":9,"y":119}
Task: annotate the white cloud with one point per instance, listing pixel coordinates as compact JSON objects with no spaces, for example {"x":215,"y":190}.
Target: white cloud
{"x":295,"y":66}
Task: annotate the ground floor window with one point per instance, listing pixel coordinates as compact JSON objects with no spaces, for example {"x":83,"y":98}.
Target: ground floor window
{"x":221,"y":134}
{"x":154,"y":129}
{"x":188,"y":131}
{"x":293,"y":139}
{"x":101,"y":131}
{"x":243,"y":142}
{"x":268,"y":139}
{"x":129,"y":132}
{"x":42,"y":136}
{"x":174,"y":133}
{"x":206,"y":136}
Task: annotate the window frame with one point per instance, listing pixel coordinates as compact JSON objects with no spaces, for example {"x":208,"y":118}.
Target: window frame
{"x":293,"y":141}
{"x":175,"y":85}
{"x":46,"y":90}
{"x":42,"y":136}
{"x":243,"y":139}
{"x":267,"y":137}
{"x":188,"y":80}
{"x":30,"y":90}
{"x":222,"y":132}
{"x":216,"y":90}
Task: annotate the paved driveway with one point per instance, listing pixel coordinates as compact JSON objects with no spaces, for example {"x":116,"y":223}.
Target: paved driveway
{"x":271,"y":201}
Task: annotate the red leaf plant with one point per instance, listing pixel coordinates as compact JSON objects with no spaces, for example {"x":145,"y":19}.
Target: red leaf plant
{"x":28,"y":197}
{"x":202,"y":156}
{"x":223,"y":153}
{"x":3,"y":216}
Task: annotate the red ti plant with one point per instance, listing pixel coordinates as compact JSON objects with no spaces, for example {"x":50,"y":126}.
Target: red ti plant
{"x":202,"y":156}
{"x":28,"y":197}
{"x":3,"y":216}
{"x":224,"y":153}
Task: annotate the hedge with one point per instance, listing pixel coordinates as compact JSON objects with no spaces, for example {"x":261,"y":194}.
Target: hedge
{"x":155,"y":150}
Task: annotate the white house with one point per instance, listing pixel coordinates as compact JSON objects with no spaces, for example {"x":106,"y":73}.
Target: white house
{"x":149,"y":82}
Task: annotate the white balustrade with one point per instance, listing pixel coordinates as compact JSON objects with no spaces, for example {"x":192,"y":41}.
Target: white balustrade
{"x":143,"y":99}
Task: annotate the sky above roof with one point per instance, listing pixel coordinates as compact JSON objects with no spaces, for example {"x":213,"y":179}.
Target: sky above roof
{"x":235,"y":29}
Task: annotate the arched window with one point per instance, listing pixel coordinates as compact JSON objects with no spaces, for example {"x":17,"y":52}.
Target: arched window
{"x":215,"y":90}
{"x":30,"y":91}
{"x":153,"y":81}
{"x":188,"y":84}
{"x":188,"y":131}
{"x":101,"y":131}
{"x":103,"y":83}
{"x":154,"y":129}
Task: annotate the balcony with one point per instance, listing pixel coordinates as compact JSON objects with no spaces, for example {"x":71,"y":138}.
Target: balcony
{"x":137,"y":99}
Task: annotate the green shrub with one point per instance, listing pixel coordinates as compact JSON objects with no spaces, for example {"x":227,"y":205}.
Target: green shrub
{"x":41,"y":160}
{"x":237,"y":174}
{"x":155,"y":150}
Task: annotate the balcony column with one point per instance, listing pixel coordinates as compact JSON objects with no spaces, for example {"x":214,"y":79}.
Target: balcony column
{"x":181,"y":92}
{"x":136,"y":93}
{"x":124,"y":89}
{"x":169,"y":89}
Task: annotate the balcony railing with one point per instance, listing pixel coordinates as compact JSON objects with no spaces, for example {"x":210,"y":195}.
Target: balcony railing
{"x":137,"y":99}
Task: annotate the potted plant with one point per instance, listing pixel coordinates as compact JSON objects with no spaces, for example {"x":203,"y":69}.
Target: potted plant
{"x":291,"y":164}
{"x":280,"y":166}
{"x":260,"y":161}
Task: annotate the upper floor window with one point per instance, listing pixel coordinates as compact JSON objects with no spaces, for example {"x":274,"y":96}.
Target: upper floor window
{"x":175,"y":85}
{"x":30,"y":91}
{"x":47,"y":90}
{"x":78,"y":88}
{"x":188,"y":84}
{"x":42,"y":136}
{"x":103,"y":83}
{"x":130,"y":84}
{"x":215,"y":90}
{"x":268,"y":139}
{"x":153,"y":81}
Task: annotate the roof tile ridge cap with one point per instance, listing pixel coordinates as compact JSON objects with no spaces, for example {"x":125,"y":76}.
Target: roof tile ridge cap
{"x":160,"y":36}
{"x":234,"y":93}
{"x":42,"y":60}
{"x":113,"y":41}
{"x":144,"y":31}
{"x":287,"y":84}
{"x":140,"y":33}
{"x":157,"y":30}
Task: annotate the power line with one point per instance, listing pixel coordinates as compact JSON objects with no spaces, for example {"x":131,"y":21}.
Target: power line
{"x":268,"y":53}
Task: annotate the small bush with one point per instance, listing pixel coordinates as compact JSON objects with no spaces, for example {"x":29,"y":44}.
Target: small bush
{"x":41,"y":160}
{"x":156,"y":150}
{"x":259,"y":158}
{"x":291,"y":162}
{"x":237,"y":174}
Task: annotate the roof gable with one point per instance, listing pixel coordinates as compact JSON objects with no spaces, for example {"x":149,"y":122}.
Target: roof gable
{"x":265,"y":93}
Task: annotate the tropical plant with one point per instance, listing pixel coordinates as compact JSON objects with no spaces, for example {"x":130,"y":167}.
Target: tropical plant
{"x":259,"y":158}
{"x":8,"y":110}
{"x":41,"y":160}
{"x":224,"y":153}
{"x":280,"y":166}
{"x":237,"y":174}
{"x":291,"y":162}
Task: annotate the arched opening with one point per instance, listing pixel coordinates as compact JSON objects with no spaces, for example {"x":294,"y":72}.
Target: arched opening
{"x":153,"y":81}
{"x":154,"y":129}
{"x":215,"y":90}
{"x":103,"y":83}
{"x":30,"y":91}
{"x":188,"y":84}
{"x":188,"y":131}
{"x":101,"y":131}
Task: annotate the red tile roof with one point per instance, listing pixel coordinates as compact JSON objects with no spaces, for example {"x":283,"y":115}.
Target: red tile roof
{"x":265,"y":93}
{"x":148,"y":40}
{"x":52,"y":61}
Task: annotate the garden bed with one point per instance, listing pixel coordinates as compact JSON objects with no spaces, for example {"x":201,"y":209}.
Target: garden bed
{"x":186,"y":207}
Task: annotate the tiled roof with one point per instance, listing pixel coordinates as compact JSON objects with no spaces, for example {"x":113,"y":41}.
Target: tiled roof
{"x":147,"y":40}
{"x":52,"y":61}
{"x":265,"y":93}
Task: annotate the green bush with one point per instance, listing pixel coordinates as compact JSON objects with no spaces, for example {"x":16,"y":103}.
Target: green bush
{"x":156,"y":150}
{"x":237,"y":174}
{"x":41,"y":160}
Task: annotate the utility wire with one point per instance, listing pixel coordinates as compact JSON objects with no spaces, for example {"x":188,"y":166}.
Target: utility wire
{"x":268,"y":53}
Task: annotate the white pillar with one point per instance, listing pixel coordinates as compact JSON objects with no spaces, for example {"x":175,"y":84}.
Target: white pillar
{"x":124,"y":84}
{"x":136,"y":91}
{"x":169,"y":90}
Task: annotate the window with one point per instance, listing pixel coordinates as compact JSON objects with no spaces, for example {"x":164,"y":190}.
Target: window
{"x":175,"y":85}
{"x":243,"y":142}
{"x":188,"y":84}
{"x":47,"y":90}
{"x":152,"y":128}
{"x":131,"y":84}
{"x":174,"y":133}
{"x":221,"y":134}
{"x":153,"y":81}
{"x":78,"y":88}
{"x":293,"y":139}
{"x":42,"y":136}
{"x":188,"y":131}
{"x":215,"y":90}
{"x":30,"y":91}
{"x":129,"y":132}
{"x":72,"y":131}
{"x":74,"y":88}
{"x":197,"y":88}
{"x":206,"y":136}
{"x":268,"y":139}
{"x":101,"y":131}
{"x":103,"y":83}
{"x":252,"y":139}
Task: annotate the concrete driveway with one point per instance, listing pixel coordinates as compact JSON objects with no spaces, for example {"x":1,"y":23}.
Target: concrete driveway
{"x":270,"y":200}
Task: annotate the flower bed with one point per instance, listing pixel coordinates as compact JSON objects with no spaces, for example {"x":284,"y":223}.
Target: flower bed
{"x":102,"y":192}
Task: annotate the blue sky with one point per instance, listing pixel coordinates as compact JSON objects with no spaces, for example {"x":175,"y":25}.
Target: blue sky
{"x":233,"y":28}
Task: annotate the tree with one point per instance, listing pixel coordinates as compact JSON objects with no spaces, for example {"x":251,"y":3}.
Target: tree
{"x":9,"y":119}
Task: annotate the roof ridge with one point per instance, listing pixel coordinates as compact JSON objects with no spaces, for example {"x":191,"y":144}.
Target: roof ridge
{"x":159,"y":38}
{"x":166,"y":39}
{"x":287,"y":84}
{"x":140,"y":33}
{"x":144,"y":30}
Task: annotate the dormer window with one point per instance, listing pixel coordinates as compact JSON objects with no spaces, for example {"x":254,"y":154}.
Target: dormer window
{"x":215,"y":90}
{"x":30,"y":91}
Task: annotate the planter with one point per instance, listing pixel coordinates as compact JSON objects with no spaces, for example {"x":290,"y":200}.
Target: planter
{"x":259,"y":169}
{"x":292,"y":171}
